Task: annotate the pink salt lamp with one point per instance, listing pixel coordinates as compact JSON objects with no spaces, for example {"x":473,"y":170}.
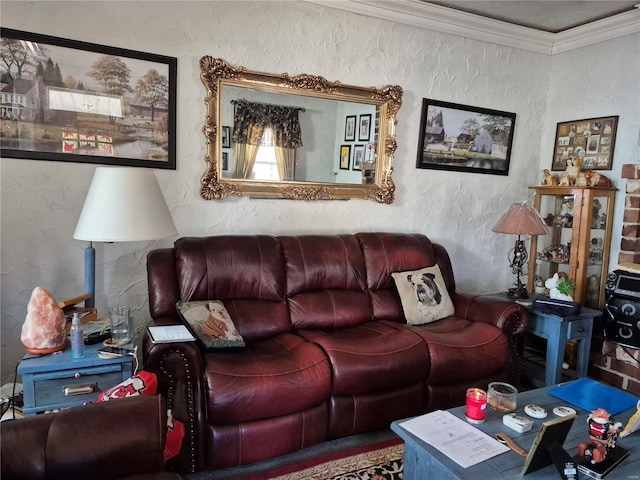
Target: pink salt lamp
{"x":44,"y":328}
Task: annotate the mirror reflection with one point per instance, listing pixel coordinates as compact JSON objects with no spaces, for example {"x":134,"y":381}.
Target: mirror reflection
{"x":296,"y":137}
{"x":285,"y":137}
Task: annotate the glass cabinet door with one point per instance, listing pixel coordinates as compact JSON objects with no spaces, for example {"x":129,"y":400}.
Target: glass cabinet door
{"x":553,"y":252}
{"x":578,"y":243}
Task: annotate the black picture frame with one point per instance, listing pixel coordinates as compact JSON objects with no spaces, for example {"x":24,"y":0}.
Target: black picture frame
{"x":226,"y":137}
{"x":225,"y":161}
{"x":464,"y":138}
{"x":345,"y":157}
{"x":350,"y":128}
{"x":358,"y":157}
{"x":364,"y":128}
{"x":591,"y":139}
{"x":78,"y":110}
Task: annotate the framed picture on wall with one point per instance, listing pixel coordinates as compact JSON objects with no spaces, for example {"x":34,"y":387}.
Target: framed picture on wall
{"x":225,"y":161}
{"x":358,"y":157}
{"x":364,"y":132}
{"x":350,"y":128}
{"x":591,"y":139}
{"x":464,"y":138}
{"x":74,"y":101}
{"x":345,"y":157}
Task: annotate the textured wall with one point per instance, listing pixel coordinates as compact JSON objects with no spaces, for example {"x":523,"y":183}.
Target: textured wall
{"x":41,"y":201}
{"x":598,"y":81}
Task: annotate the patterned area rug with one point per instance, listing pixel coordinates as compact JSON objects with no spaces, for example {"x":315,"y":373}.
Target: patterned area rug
{"x":380,"y":461}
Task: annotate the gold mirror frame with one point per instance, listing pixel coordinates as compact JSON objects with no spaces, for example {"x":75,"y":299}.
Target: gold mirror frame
{"x":216,"y":73}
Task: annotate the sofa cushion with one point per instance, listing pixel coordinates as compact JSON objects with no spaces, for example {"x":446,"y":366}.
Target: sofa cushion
{"x":244,"y":272}
{"x":386,"y":253}
{"x":269,"y":378}
{"x":424,"y":295}
{"x":463,"y":350}
{"x":325,"y":281}
{"x":211,"y":323}
{"x":370,"y":357}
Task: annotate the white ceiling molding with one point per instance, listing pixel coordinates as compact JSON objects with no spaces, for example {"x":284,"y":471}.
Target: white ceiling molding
{"x":447,"y":20}
{"x":619,"y":25}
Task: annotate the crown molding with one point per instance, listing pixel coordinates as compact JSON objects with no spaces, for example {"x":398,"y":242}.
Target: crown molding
{"x":626,"y":23}
{"x":446,"y":20}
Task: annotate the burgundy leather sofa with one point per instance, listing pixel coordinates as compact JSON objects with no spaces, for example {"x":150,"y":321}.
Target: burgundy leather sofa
{"x":328,"y":351}
{"x":120,"y":439}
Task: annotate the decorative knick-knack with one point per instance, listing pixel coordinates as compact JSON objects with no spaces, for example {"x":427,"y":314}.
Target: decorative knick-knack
{"x":44,"y":328}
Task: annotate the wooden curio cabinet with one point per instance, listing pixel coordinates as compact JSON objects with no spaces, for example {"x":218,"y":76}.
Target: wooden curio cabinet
{"x":579,"y":221}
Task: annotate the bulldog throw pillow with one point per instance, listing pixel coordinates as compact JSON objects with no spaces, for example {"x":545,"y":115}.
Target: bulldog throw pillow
{"x":424,"y":295}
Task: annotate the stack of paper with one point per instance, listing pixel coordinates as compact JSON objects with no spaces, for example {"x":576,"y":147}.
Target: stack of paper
{"x":461,"y":442}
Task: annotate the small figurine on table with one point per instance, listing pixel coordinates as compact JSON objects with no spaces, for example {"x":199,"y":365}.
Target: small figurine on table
{"x":603,"y":434}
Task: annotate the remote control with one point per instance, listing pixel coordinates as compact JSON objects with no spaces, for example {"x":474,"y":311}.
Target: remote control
{"x":516,"y":422}
{"x":535,"y":411}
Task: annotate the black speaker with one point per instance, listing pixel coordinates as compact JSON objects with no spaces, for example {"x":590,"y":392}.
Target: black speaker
{"x":622,"y":308}
{"x":622,"y":321}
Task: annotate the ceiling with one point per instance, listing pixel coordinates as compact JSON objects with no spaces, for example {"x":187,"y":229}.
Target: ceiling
{"x":543,"y":26}
{"x":545,"y":15}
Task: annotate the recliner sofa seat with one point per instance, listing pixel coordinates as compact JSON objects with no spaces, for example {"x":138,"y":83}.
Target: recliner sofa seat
{"x":328,"y":350}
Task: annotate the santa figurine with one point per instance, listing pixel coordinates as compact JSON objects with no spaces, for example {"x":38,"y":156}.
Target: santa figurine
{"x":603,"y":434}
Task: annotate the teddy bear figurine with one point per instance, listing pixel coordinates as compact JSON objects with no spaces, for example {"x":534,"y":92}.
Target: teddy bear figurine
{"x":574,"y":169}
{"x":603,"y":434}
{"x":548,"y":179}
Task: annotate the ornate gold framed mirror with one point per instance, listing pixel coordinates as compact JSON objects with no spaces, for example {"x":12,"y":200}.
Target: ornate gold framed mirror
{"x":301,"y":137}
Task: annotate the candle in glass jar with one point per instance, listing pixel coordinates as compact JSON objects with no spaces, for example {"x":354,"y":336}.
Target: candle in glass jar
{"x":476,"y":405}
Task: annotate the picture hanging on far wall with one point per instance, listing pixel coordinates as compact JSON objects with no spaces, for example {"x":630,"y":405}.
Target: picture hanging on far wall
{"x":358,"y":157}
{"x":72,"y":101}
{"x":345,"y":156}
{"x":591,"y":139}
{"x":226,"y":137}
{"x":464,"y":138}
{"x":365,"y":128}
{"x":350,"y":128}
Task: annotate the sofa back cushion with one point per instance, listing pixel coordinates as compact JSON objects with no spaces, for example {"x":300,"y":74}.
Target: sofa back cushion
{"x":245,"y":272}
{"x":325,"y":281}
{"x":387,"y":253}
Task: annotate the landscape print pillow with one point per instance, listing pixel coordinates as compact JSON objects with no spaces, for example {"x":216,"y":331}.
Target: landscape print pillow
{"x":424,"y":295}
{"x":211,"y":323}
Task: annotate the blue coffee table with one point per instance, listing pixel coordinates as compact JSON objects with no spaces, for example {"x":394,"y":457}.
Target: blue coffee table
{"x":422,"y":461}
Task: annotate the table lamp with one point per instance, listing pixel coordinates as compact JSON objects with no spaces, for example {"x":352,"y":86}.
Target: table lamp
{"x":520,"y":219}
{"x":122,"y":205}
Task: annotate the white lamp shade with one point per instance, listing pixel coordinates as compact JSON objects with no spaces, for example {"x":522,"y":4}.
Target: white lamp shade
{"x":124,"y":205}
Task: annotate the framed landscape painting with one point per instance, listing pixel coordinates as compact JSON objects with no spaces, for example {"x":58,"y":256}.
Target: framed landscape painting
{"x":65,"y":100}
{"x":464,"y":138}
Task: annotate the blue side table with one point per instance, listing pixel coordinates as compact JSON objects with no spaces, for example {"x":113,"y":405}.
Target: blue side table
{"x":558,"y":330}
{"x":56,"y":381}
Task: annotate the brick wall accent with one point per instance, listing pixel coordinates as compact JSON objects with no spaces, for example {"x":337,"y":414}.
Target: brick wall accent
{"x":630,"y":242}
{"x":618,"y":366}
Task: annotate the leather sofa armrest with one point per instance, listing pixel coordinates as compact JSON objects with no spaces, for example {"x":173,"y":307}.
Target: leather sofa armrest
{"x":511,"y":318}
{"x":505,"y":314}
{"x":178,"y":367}
{"x":107,"y":440}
